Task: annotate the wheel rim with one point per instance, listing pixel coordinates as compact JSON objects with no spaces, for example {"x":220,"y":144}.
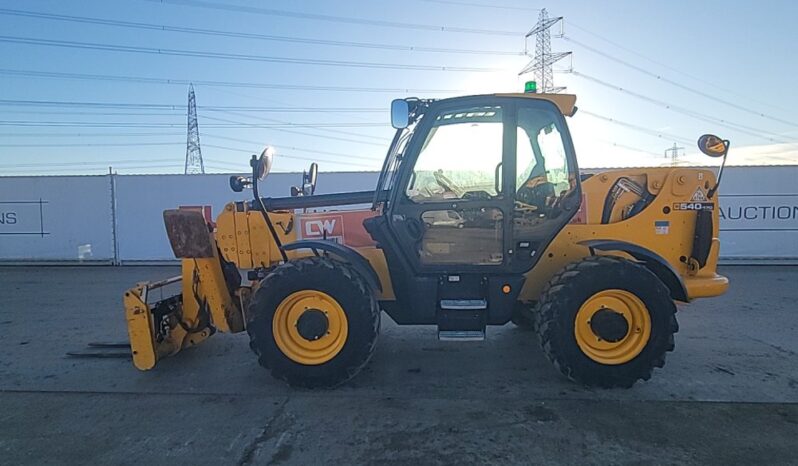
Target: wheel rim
{"x":615,"y":308}
{"x":309,"y":350}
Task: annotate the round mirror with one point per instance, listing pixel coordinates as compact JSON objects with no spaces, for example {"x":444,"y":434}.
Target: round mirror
{"x":265,"y":162}
{"x":712,"y":145}
{"x":238,"y":183}
{"x":313,"y":173}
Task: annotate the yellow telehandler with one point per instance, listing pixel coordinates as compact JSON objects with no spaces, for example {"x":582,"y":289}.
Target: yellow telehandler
{"x":479,"y":217}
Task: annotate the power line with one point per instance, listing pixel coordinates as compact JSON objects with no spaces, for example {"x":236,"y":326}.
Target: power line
{"x":98,"y":124}
{"x":145,"y":113}
{"x":677,"y":84}
{"x":67,"y":112}
{"x":383,"y":110}
{"x":236,"y":56}
{"x":335,"y":19}
{"x":252,"y":97}
{"x":243,"y":35}
{"x":320,"y":127}
{"x":291,"y":156}
{"x":672,"y":68}
{"x":294,"y":148}
{"x":760,"y":133}
{"x":206,"y":135}
{"x":83,"y":135}
{"x":153,"y":106}
{"x":627,"y":147}
{"x":84,"y":169}
{"x":136,"y":161}
{"x":638,"y":128}
{"x":229,"y":163}
{"x":482,"y":5}
{"x":91,"y":144}
{"x":105,"y":163}
{"x":184,"y":82}
{"x":139,"y":164}
{"x":287,"y":156}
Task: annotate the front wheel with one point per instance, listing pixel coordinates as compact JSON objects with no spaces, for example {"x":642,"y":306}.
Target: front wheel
{"x":313,"y":322}
{"x":606,"y":321}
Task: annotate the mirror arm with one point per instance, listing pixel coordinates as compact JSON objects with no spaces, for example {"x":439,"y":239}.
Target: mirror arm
{"x":259,"y":200}
{"x":714,"y":189}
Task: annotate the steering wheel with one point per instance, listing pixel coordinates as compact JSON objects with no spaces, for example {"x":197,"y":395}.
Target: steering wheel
{"x":447,"y":184}
{"x":537,"y":195}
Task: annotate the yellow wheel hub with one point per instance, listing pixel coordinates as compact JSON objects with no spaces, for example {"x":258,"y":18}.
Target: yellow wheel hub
{"x":612,"y":327}
{"x":310,"y":327}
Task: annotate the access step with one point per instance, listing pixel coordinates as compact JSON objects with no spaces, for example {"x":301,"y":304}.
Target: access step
{"x":461,"y":335}
{"x":464,"y":304}
{"x":462,"y":319}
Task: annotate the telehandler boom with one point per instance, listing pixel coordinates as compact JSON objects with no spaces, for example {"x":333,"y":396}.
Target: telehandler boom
{"x":479,"y":217}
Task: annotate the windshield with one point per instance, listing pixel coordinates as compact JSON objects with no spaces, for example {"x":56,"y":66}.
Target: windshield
{"x":461,"y":156}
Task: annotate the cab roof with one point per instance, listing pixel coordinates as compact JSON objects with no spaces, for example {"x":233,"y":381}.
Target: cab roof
{"x":566,"y":103}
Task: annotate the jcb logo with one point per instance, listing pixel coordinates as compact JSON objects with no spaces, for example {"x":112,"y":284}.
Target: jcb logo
{"x":324,"y":227}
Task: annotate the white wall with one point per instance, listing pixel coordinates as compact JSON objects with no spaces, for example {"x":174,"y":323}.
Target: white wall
{"x":141,"y":200}
{"x":759,"y":212}
{"x":49,"y":218}
{"x":759,"y":206}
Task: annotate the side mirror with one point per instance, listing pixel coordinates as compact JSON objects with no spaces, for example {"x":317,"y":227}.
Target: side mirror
{"x":308,"y":187}
{"x":309,"y":182}
{"x":238,"y":183}
{"x":713,"y":146}
{"x":263,"y":165}
{"x":400,"y":113}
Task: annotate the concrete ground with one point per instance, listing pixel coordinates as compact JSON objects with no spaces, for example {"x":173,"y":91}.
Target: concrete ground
{"x":727,"y":395}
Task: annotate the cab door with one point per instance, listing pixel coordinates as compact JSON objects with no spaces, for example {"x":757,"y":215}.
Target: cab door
{"x":546,"y":187}
{"x":450,"y":209}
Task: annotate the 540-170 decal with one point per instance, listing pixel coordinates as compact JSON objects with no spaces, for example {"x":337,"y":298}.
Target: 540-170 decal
{"x":693,"y":206}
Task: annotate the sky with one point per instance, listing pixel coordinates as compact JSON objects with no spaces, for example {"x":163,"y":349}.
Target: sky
{"x":96,"y":83}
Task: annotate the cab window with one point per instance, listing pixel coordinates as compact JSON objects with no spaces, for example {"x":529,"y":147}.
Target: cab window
{"x":544,"y":176}
{"x":460,"y":157}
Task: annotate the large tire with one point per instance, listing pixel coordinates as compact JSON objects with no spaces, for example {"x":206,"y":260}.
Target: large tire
{"x":338,"y":281}
{"x":572,"y":291}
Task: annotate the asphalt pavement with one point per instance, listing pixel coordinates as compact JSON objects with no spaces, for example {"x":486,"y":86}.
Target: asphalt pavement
{"x":728,"y":394}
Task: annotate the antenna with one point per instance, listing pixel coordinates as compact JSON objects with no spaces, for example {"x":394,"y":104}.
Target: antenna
{"x":194,"y":164}
{"x":543,"y":59}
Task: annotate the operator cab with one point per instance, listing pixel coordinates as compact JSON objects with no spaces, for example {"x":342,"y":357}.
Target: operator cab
{"x":480,"y":185}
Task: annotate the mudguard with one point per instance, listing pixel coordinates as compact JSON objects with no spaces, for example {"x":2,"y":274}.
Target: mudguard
{"x":651,"y":260}
{"x":343,"y":252}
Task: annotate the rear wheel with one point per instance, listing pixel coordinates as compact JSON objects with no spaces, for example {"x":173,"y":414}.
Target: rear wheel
{"x":313,"y":322}
{"x":606,"y":321}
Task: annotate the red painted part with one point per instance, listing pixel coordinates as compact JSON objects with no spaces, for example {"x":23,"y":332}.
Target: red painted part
{"x":345,"y":227}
